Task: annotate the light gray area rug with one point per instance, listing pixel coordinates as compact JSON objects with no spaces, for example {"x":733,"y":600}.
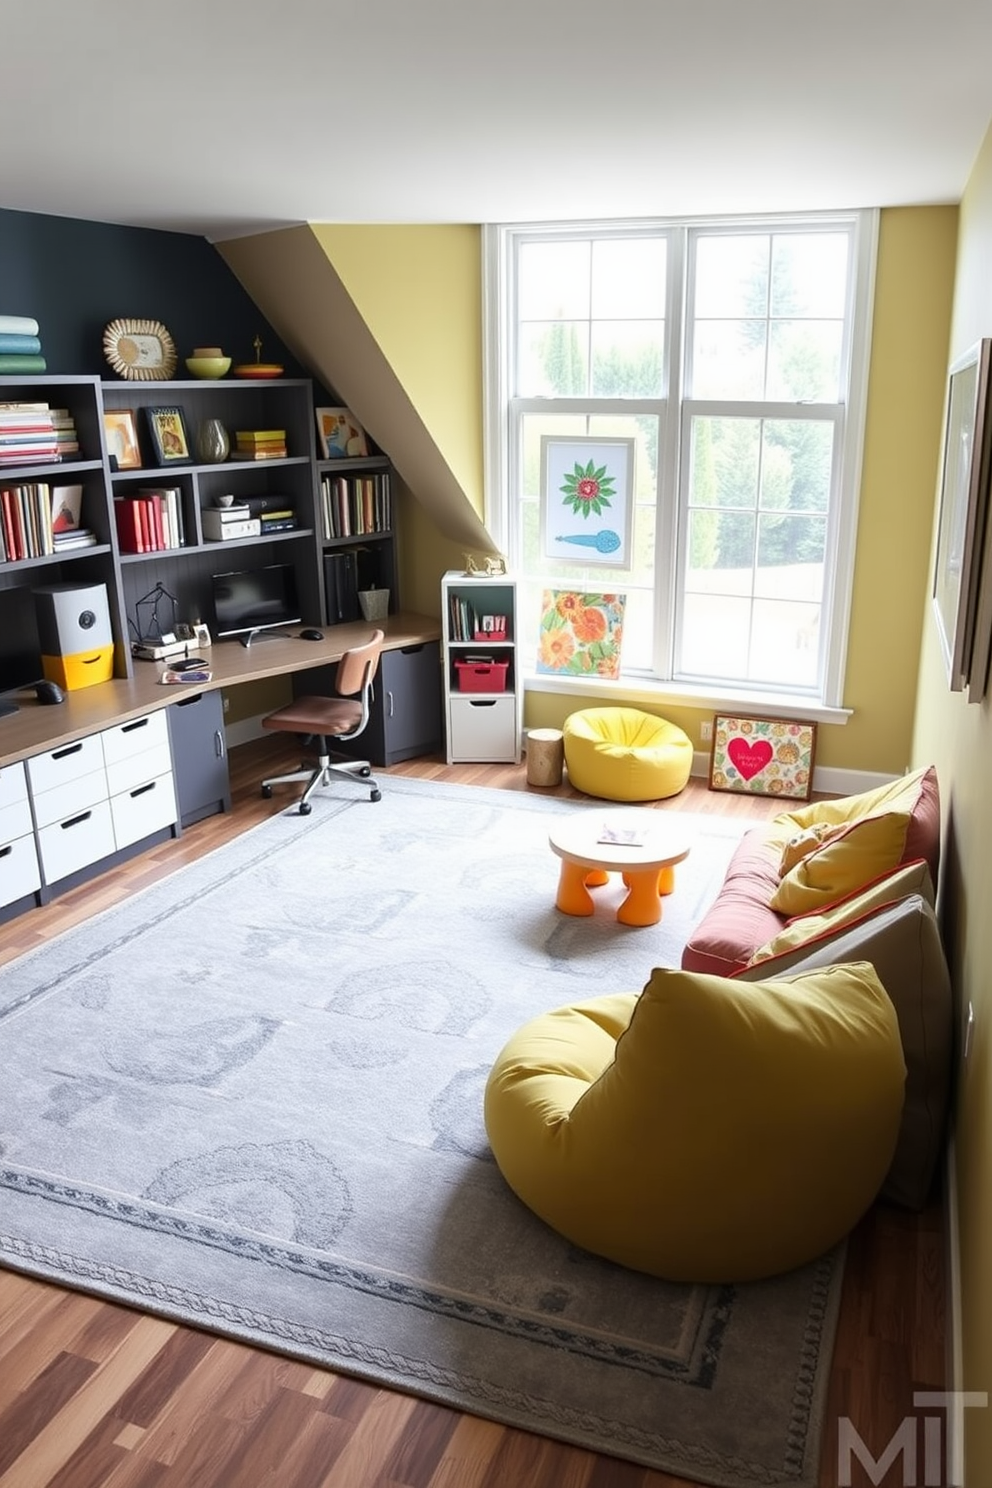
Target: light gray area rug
{"x":250,"y":1099}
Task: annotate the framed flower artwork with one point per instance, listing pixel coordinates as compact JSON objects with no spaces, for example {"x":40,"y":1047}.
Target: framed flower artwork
{"x":587,"y":506}
{"x":763,"y":756}
{"x":580,"y":634}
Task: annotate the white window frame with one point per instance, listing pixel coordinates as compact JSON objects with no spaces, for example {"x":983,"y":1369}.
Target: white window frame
{"x":498,"y":245}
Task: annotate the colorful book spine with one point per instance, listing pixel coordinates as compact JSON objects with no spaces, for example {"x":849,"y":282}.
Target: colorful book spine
{"x":15,"y":364}
{"x":25,"y":345}
{"x":19,"y":325}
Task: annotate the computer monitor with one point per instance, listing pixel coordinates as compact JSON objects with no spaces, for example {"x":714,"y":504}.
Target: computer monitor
{"x":254,"y":599}
{"x":20,"y":648}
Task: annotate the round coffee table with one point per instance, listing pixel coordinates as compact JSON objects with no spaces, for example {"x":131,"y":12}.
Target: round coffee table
{"x":644,"y":846}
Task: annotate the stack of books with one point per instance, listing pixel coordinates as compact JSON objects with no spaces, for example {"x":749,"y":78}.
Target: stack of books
{"x":25,"y":521}
{"x":20,"y":346}
{"x":27,"y":434}
{"x":224,"y":524}
{"x":65,"y":432}
{"x":150,"y":521}
{"x":66,"y":506}
{"x":260,"y":444}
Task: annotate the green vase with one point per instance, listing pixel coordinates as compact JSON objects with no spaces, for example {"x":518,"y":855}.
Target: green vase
{"x":212,"y":442}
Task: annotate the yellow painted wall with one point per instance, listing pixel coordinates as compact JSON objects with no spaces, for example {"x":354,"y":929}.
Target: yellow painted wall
{"x":957,"y":737}
{"x":419,"y":290}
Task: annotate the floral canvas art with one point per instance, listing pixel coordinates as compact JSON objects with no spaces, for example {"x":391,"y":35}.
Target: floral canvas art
{"x":580,"y":634}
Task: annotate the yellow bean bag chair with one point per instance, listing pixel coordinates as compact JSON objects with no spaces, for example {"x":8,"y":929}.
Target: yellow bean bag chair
{"x":707,"y":1130}
{"x":622,"y":754}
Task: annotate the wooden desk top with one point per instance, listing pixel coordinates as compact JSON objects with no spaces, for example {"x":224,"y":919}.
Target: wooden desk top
{"x":38,"y":727}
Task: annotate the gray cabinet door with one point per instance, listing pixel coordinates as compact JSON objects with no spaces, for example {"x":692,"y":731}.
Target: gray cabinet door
{"x":199,"y":756}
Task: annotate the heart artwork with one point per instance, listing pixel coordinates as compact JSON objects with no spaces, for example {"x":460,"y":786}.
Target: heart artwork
{"x":749,"y":759}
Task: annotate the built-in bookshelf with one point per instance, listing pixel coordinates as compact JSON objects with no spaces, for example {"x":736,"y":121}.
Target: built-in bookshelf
{"x":151,"y":520}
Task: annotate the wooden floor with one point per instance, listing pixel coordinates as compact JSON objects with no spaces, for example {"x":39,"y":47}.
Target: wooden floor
{"x":93,"y":1395}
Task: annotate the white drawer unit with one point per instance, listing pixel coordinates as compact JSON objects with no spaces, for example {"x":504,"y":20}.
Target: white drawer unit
{"x":67,"y":763}
{"x":144,"y":809}
{"x":80,"y":839}
{"x":69,"y":797}
{"x":135,"y":769}
{"x":482,"y":728}
{"x":132,"y":738}
{"x":13,"y":785}
{"x":19,"y":871}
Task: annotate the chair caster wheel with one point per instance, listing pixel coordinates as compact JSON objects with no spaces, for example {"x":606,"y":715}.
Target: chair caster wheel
{"x":376,"y":795}
{"x":266,"y":793}
{"x":365,"y":771}
{"x":305,"y":808}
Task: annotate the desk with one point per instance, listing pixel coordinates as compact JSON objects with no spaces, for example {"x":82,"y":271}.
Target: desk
{"x":38,"y":727}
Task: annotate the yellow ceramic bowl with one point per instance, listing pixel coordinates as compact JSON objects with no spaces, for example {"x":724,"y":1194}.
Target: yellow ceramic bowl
{"x":214,"y":366}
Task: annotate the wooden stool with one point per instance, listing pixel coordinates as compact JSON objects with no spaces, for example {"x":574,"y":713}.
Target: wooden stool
{"x":545,"y":756}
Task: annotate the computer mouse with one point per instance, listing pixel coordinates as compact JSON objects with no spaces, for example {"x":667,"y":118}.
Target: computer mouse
{"x":49,"y":692}
{"x":311,"y":635}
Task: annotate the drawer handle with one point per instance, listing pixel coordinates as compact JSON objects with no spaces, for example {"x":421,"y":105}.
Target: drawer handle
{"x":75,"y":821}
{"x":187,"y":702}
{"x":128,"y":728}
{"x":412,"y":650}
{"x":218,"y":744}
{"x":69,"y":749}
{"x":142,"y":790}
{"x":389,"y":703}
{"x":485,"y":703}
{"x":5,"y":852}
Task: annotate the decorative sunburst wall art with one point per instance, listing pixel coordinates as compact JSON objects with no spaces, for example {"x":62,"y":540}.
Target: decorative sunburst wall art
{"x":587,"y":508}
{"x":580,"y":634}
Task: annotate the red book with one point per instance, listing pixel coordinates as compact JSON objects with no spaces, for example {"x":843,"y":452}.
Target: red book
{"x":9,"y":535}
{"x":128,"y":534}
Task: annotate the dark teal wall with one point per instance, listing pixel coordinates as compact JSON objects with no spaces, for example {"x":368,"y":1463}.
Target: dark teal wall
{"x":75,"y":277}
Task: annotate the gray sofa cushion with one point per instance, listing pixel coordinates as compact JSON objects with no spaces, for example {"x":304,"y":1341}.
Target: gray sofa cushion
{"x":902,"y":942}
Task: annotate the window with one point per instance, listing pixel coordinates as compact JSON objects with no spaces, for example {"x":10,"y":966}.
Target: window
{"x":725,"y":362}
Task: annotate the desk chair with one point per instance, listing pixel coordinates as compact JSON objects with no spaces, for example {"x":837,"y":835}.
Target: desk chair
{"x":341,"y":717}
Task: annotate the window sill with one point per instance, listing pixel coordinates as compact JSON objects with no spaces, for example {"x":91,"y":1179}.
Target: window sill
{"x":631,"y":692}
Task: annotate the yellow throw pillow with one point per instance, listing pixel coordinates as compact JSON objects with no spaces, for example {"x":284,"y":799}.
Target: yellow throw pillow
{"x":899,"y":795}
{"x":855,"y":857}
{"x":911,"y":878}
{"x":803,"y":843}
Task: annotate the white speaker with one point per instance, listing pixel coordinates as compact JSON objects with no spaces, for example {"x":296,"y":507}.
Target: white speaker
{"x":77,"y":643}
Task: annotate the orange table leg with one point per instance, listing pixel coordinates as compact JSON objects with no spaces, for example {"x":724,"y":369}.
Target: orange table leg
{"x":573,"y":896}
{"x":596,"y":877}
{"x":642,"y":905}
{"x":666,"y":880}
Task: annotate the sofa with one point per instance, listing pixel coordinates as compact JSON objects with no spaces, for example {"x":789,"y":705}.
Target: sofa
{"x":843,"y":881}
{"x":833,"y":852}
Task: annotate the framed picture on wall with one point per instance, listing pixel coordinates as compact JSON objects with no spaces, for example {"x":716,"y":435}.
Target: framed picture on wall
{"x":587,"y":507}
{"x":964,"y":505}
{"x":763,"y":756}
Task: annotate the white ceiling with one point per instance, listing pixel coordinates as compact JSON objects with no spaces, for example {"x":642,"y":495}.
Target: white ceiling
{"x":228,"y":116}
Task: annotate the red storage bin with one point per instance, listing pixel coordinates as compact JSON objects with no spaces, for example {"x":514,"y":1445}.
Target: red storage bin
{"x":481,"y":676}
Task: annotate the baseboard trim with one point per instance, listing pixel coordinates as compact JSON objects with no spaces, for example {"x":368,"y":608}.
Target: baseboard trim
{"x":826,"y":778}
{"x":244,"y":731}
{"x":953,"y":1349}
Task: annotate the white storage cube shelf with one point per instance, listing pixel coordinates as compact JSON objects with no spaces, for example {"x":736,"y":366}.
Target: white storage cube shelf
{"x":482,"y":724}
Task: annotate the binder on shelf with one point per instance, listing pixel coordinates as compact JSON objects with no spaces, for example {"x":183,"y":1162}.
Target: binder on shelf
{"x":341,"y":587}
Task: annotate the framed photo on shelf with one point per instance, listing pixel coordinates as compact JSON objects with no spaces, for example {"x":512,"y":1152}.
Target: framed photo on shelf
{"x":120,"y":430}
{"x":763,"y":756}
{"x":167,"y":430}
{"x":340,"y":435}
{"x":964,"y":503}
